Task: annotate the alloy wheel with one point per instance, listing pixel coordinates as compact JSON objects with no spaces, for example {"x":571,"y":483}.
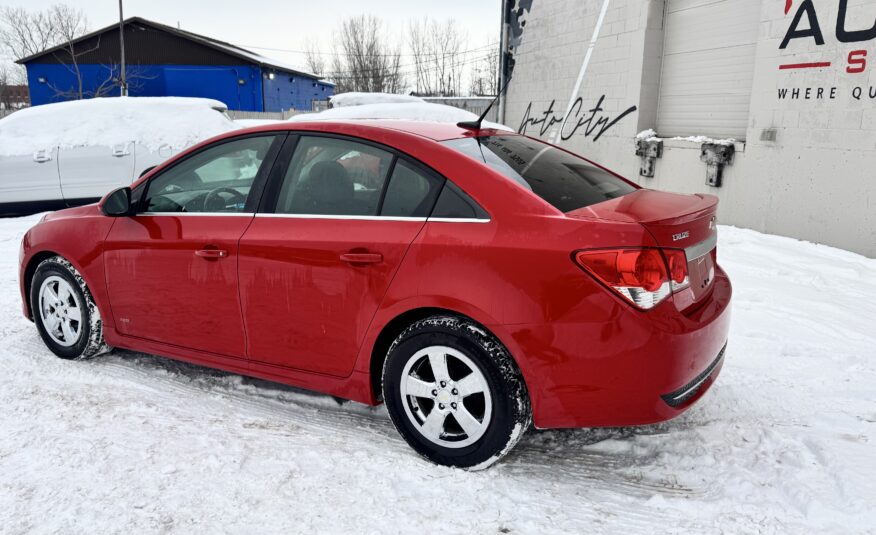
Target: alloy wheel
{"x":446,"y":397}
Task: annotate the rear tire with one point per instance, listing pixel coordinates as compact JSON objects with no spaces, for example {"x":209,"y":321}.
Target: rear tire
{"x":454,"y":393}
{"x":64,"y":311}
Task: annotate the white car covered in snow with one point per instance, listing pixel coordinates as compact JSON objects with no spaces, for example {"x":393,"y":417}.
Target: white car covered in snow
{"x":72,"y":153}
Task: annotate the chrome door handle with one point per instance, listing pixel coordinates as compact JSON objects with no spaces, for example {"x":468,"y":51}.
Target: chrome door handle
{"x":211,"y":253}
{"x":120,"y":151}
{"x":362,"y":258}
{"x":41,"y":157}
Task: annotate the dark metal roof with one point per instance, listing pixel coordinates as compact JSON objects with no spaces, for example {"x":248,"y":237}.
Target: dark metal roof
{"x":148,"y":42}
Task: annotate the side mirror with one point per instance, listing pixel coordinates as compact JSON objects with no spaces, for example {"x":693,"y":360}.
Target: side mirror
{"x":117,"y":203}
{"x":143,"y":173}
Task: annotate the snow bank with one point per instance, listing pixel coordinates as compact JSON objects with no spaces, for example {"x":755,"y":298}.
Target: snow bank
{"x":422,"y":111}
{"x":705,"y":139}
{"x":361,"y":99}
{"x":150,"y":121}
{"x":651,"y":135}
{"x":647,"y":135}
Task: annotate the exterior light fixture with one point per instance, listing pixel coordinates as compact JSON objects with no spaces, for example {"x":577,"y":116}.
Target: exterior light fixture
{"x":270,"y":76}
{"x":241,"y":81}
{"x":41,"y":79}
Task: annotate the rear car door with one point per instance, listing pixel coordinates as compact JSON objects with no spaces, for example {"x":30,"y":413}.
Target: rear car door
{"x":338,"y":218}
{"x":90,"y":172}
{"x":171,"y":268}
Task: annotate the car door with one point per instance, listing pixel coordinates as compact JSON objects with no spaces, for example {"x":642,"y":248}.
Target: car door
{"x":90,"y":172}
{"x":337,"y":220}
{"x":171,"y":269}
{"x":29,"y":179}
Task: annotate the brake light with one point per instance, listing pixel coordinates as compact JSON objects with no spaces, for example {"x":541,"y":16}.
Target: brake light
{"x":676,"y":259}
{"x":643,"y":276}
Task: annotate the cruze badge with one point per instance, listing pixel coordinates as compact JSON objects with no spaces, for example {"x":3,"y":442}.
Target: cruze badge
{"x":681,"y":236}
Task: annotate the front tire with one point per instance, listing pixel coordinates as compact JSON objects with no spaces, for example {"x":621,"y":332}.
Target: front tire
{"x":454,"y":393}
{"x":64,"y":311}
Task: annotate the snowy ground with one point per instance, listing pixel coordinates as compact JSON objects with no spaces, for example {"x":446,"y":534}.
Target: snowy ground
{"x":784,"y":443}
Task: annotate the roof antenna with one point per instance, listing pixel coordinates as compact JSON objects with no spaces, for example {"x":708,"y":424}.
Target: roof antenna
{"x":476,"y":125}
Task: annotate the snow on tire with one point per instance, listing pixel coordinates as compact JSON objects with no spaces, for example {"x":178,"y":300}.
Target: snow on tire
{"x":64,"y":311}
{"x":454,"y":393}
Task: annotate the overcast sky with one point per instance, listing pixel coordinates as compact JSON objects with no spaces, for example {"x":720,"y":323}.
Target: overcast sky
{"x":287,"y":24}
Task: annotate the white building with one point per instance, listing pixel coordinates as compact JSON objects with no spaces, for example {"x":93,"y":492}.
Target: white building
{"x":793,"y":82}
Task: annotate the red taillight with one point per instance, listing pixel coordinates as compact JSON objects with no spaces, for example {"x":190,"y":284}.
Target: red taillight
{"x":643,"y":276}
{"x":677,"y":262}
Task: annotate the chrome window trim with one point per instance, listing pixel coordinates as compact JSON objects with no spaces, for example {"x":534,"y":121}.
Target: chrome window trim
{"x":375,"y":218}
{"x":189,"y":214}
{"x":701,"y":249}
{"x":342,"y":217}
{"x":458,"y":220}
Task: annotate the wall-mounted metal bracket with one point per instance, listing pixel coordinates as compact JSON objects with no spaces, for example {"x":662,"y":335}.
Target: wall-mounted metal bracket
{"x":716,"y":156}
{"x":649,"y":150}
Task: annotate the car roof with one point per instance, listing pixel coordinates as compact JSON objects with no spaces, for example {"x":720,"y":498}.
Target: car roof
{"x":432,"y":130}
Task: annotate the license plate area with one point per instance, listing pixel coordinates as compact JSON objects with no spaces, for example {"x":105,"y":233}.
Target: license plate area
{"x":701,"y":272}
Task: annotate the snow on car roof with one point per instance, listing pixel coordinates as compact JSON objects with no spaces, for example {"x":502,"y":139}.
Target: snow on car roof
{"x":153,"y":122}
{"x":406,"y":111}
{"x":354,"y":98}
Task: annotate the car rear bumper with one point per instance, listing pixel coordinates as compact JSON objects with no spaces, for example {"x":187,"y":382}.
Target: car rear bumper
{"x":636,"y":368}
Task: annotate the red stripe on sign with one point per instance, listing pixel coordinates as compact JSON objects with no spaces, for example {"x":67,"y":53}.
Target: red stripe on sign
{"x":816,"y":65}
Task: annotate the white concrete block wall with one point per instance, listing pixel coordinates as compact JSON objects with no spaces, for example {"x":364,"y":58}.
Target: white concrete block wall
{"x":816,"y":181}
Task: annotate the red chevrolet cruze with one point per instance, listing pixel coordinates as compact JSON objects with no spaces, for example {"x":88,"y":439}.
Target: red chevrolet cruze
{"x":476,"y":281}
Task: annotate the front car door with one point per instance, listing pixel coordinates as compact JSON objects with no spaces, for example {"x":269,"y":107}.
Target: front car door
{"x":314,"y":266}
{"x":171,"y":269}
{"x":90,"y":172}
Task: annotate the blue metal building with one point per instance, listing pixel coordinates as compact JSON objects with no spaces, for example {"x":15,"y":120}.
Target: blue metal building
{"x":166,"y":61}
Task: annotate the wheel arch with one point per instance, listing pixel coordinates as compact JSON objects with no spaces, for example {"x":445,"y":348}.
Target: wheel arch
{"x":395,"y":326}
{"x":30,"y":271}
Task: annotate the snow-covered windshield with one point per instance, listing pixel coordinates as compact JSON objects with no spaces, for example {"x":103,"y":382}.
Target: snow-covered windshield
{"x":565,"y":181}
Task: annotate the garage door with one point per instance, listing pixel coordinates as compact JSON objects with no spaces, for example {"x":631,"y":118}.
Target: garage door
{"x":708,"y":67}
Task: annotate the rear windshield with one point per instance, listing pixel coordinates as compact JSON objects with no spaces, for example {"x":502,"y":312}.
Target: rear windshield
{"x":563,"y":180}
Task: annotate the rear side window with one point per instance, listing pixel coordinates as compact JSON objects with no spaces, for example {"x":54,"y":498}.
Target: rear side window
{"x":453,"y":203}
{"x":561,"y":179}
{"x":410,"y":193}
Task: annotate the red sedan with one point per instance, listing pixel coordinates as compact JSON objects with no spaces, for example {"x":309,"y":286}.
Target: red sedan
{"x":476,"y":281}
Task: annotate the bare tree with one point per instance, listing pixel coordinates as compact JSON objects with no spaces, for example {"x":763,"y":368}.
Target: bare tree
{"x":25,"y":33}
{"x":70,"y":23}
{"x":438,"y":49}
{"x":364,"y":59}
{"x":5,"y":91}
{"x":313,"y":57}
{"x":485,"y":72}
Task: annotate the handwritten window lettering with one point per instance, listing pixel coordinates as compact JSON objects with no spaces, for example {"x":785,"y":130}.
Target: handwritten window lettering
{"x":593,"y":121}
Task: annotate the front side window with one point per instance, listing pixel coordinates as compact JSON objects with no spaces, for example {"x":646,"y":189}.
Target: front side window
{"x":565,"y":181}
{"x":329,"y":176}
{"x":217,"y":179}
